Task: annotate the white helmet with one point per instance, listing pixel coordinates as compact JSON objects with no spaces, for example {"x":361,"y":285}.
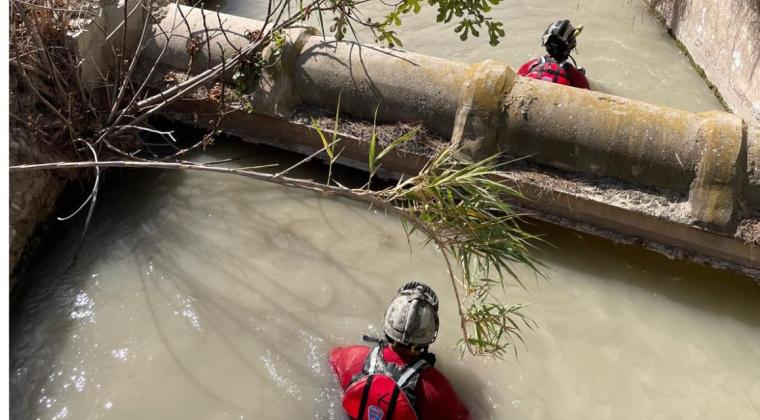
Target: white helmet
{"x":412,"y":315}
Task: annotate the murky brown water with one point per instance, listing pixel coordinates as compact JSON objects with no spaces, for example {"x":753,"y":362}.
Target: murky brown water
{"x":204,"y":296}
{"x":211,"y":297}
{"x":625,"y":51}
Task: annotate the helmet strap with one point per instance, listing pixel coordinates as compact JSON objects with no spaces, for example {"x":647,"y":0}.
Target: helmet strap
{"x":413,"y":348}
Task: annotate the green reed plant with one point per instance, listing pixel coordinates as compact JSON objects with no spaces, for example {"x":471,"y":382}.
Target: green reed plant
{"x":463,"y":208}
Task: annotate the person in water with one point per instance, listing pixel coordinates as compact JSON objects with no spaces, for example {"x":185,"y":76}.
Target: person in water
{"x":559,"y":40}
{"x":395,"y":379}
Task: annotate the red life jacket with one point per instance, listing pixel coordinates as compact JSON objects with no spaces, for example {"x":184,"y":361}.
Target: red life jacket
{"x":547,"y":68}
{"x":384,"y":391}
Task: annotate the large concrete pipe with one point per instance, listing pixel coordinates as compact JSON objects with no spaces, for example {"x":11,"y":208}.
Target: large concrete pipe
{"x":183,"y":30}
{"x":402,"y":86}
{"x":405,"y":86}
{"x":485,"y":108}
{"x":604,"y":135}
{"x":180,"y":42}
{"x":584,"y":131}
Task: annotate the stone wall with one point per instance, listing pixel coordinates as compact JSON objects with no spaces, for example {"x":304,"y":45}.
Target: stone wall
{"x":33,"y":195}
{"x":723,"y":37}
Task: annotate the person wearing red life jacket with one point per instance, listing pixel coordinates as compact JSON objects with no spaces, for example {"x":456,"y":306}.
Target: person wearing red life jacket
{"x":559,"y":40}
{"x":395,"y":378}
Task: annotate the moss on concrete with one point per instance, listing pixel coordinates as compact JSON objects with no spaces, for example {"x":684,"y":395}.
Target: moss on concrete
{"x":700,"y":71}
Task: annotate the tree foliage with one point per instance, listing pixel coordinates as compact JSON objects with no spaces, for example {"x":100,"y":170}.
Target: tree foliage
{"x":470,"y":18}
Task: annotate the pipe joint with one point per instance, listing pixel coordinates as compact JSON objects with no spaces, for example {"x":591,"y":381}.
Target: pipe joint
{"x":478,"y":116}
{"x":716,"y":188}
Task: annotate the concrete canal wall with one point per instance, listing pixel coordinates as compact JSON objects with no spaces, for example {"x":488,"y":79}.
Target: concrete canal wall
{"x":723,"y":37}
{"x":34,"y":195}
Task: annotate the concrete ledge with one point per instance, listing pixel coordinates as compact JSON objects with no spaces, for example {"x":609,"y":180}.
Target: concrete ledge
{"x":673,"y":239}
{"x":294,"y":136}
{"x":669,"y":234}
{"x":723,"y":37}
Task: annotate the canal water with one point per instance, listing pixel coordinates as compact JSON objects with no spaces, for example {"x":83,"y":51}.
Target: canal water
{"x":624,"y":50}
{"x":214,"y":297}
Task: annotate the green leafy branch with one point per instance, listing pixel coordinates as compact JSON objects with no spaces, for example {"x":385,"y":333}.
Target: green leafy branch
{"x":463,"y":209}
{"x":470,"y":15}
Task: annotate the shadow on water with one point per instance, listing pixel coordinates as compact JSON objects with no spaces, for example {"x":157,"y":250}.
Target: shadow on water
{"x":694,"y":285}
{"x":43,"y":304}
{"x":235,"y":272}
{"x":124,"y":201}
{"x":165,"y":211}
{"x":471,"y":390}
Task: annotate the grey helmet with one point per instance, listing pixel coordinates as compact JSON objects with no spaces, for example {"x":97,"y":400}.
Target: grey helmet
{"x":559,"y":39}
{"x":412,"y":315}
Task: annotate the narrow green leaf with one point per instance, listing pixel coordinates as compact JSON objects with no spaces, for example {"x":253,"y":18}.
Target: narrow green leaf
{"x":397,"y":142}
{"x":327,"y":146}
{"x":373,"y":143}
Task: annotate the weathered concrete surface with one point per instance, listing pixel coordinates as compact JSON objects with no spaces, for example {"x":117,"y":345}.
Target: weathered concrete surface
{"x":100,"y":41}
{"x":752,"y":191}
{"x":405,"y":86}
{"x":479,"y":116}
{"x":316,"y":70}
{"x":591,"y":132}
{"x":275,"y":94}
{"x":723,"y":37}
{"x":719,"y":181}
{"x":604,"y":135}
{"x":181,"y":24}
{"x":592,"y":213}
